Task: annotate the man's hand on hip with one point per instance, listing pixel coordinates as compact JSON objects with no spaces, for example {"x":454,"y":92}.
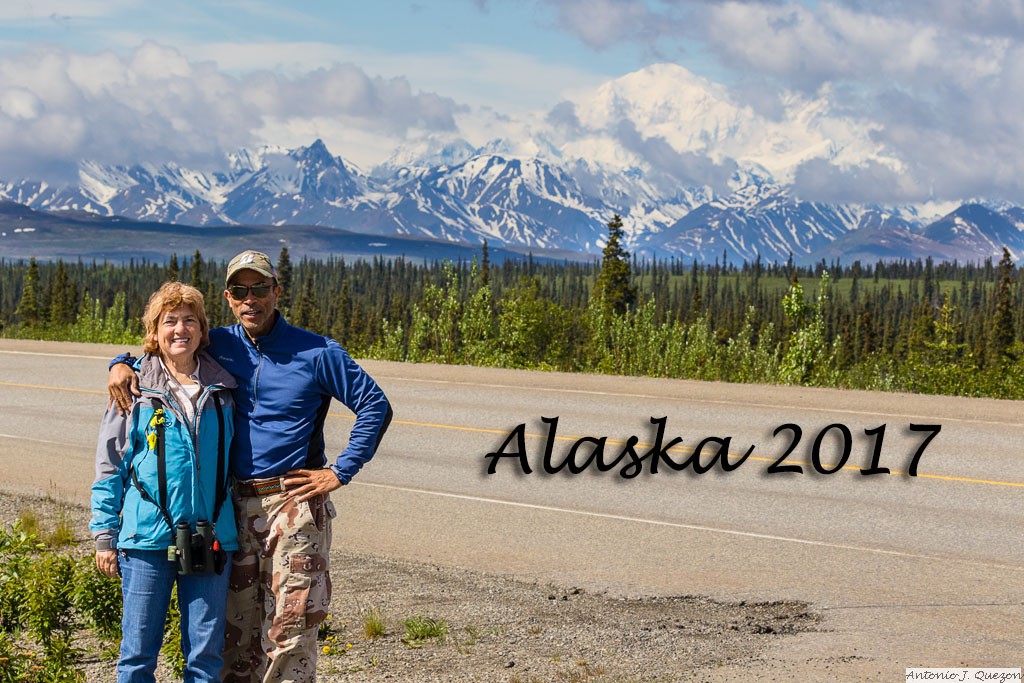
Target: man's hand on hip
{"x":305,"y":484}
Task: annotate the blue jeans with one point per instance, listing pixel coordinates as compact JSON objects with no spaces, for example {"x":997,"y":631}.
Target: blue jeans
{"x":146,"y":581}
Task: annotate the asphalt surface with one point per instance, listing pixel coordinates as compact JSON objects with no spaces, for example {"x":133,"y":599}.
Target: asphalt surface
{"x":924,"y":571}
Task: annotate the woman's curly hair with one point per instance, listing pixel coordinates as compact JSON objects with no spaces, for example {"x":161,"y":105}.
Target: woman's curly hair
{"x":167,"y":298}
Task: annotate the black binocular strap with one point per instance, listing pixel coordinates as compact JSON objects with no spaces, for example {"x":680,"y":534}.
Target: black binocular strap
{"x":222,"y":475}
{"x":161,"y":468}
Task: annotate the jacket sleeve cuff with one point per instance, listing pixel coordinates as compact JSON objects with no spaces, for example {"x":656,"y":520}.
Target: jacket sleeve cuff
{"x":338,"y":473}
{"x":126,"y":358}
{"x":105,"y":540}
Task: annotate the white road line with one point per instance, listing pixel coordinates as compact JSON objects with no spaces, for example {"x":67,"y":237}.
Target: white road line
{"x":680,"y":525}
{"x":28,"y":438}
{"x":55,"y":355}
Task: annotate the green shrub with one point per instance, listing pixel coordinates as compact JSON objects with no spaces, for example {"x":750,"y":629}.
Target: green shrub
{"x":60,"y":665}
{"x":17,"y":547}
{"x":49,"y":601}
{"x":98,"y":598}
{"x":14,"y":663}
{"x":43,"y":596}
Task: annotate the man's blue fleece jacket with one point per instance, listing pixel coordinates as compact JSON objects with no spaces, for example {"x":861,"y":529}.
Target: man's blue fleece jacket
{"x":286,"y":380}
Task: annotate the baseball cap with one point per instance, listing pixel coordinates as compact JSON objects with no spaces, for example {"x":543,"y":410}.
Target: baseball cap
{"x":251,"y":260}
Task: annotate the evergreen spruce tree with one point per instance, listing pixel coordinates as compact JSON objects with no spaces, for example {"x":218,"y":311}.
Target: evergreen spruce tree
{"x":173,"y":270}
{"x":930,"y":294}
{"x":343,"y":315}
{"x":196,"y":273}
{"x":29,"y":309}
{"x":62,"y":301}
{"x":613,"y":282}
{"x":307,"y":314}
{"x":696,"y":296}
{"x":284,"y":278}
{"x":356,"y":340}
{"x":1002,"y":323}
{"x":485,"y":267}
{"x":214,"y":301}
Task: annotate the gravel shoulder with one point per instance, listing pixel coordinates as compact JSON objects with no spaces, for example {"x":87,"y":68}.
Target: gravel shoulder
{"x":504,"y":630}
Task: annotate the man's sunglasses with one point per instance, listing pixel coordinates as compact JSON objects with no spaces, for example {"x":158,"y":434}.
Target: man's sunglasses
{"x":240,"y":292}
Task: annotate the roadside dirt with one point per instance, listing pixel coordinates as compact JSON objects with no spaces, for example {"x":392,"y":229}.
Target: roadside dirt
{"x":496,"y":629}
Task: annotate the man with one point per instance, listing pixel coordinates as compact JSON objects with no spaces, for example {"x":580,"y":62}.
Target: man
{"x":280,"y":585}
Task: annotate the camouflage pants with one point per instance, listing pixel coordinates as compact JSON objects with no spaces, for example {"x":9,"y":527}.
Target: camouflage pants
{"x":280,"y":589}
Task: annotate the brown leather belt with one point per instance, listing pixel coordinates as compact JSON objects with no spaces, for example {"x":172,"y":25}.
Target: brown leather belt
{"x":252,"y":488}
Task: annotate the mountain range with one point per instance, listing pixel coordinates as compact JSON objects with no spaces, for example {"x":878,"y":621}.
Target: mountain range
{"x":693,"y":176}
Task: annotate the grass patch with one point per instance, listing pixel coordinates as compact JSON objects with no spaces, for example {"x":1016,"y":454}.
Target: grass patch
{"x":374,"y":625}
{"x":28,"y":522}
{"x":420,"y":629}
{"x":63,"y":534}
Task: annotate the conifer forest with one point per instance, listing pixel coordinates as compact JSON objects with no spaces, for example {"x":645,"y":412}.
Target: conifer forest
{"x":913,"y":326}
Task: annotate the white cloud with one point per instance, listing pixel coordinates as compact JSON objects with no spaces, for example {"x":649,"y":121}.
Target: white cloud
{"x":940,"y":83}
{"x":343,"y":136}
{"x":980,"y":17}
{"x":58,"y":107}
{"x":20,"y":104}
{"x":472,"y":74}
{"x":804,"y":48}
{"x":601,"y":23}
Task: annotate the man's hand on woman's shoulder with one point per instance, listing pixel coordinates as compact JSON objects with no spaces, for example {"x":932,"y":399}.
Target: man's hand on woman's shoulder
{"x":123,"y":386}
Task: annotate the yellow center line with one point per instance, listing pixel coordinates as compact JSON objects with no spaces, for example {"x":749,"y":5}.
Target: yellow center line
{"x":611,"y":442}
{"x":40,"y":386}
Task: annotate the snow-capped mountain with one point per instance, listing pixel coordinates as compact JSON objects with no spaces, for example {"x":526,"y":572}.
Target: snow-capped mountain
{"x":305,"y":186}
{"x":166,"y":194}
{"x":676,"y":123}
{"x":973,"y":228}
{"x":526,"y":203}
{"x":758,"y":219}
{"x":693,"y":174}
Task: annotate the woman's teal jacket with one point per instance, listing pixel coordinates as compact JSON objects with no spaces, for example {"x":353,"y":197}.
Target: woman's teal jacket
{"x":125,"y":517}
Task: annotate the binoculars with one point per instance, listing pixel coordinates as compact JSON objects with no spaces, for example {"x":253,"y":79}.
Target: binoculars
{"x":197,"y":552}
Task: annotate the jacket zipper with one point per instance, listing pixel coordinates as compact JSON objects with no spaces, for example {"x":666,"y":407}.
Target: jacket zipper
{"x":207,"y":392}
{"x":256,"y":377}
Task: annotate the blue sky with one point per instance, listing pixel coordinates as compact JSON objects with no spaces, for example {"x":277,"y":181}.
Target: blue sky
{"x":939,"y":84}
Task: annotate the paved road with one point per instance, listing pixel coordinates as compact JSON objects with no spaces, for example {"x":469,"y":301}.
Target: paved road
{"x":907,"y":571}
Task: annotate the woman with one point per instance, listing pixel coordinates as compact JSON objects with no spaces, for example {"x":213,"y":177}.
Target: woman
{"x":160,"y":514}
